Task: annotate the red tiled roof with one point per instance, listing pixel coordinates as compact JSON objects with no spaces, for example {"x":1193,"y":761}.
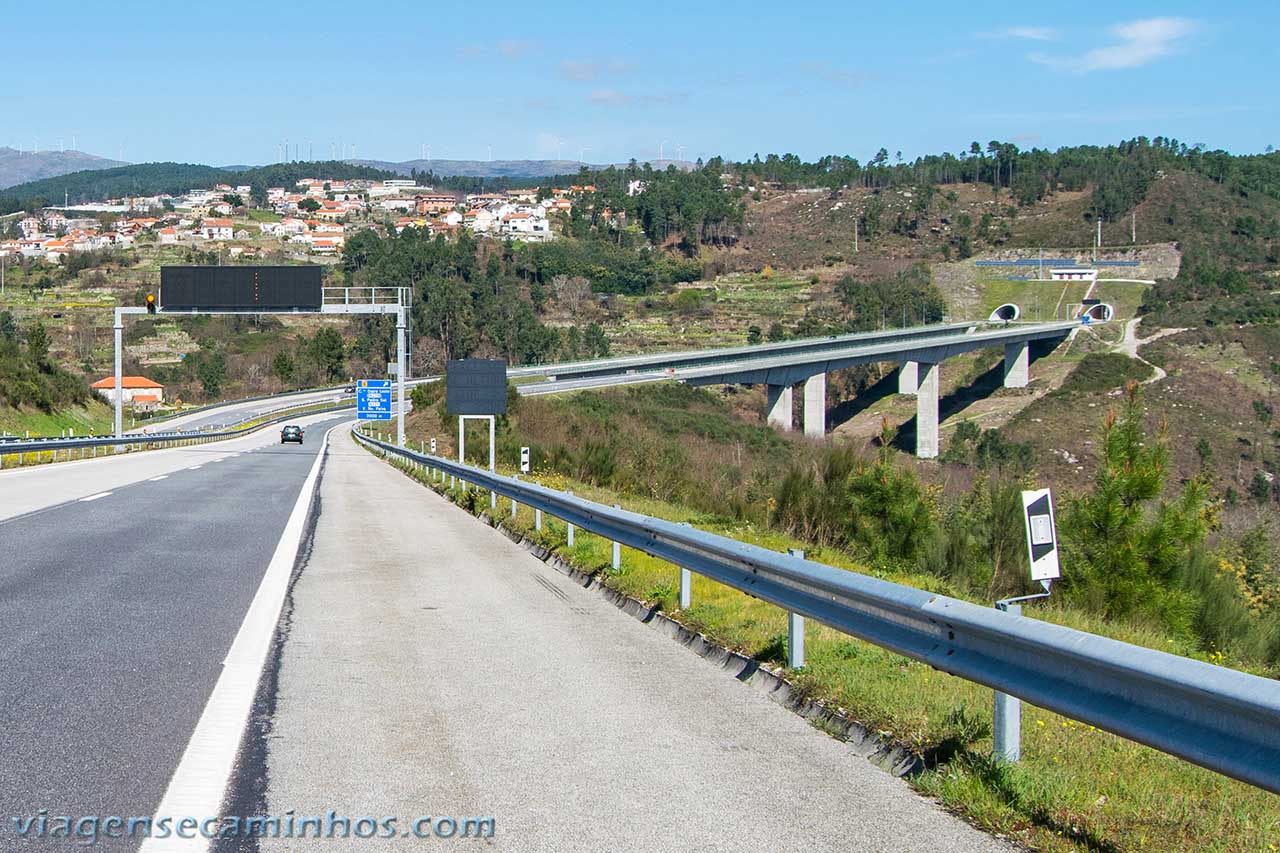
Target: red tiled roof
{"x":126,"y":382}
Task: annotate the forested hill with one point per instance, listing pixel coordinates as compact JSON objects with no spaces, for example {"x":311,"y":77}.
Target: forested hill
{"x":156,"y":178}
{"x":1119,"y":173}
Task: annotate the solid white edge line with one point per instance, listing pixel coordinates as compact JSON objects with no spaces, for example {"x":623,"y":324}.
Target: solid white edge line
{"x":200,"y":781}
{"x":158,"y":479}
{"x":94,"y":497}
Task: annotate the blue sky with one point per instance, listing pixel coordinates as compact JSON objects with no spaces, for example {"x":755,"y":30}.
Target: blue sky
{"x":227,"y":82}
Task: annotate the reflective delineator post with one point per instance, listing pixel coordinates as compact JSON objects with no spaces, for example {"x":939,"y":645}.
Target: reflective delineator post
{"x":1006,"y":729}
{"x":617,"y":549}
{"x":795,"y":629}
{"x":569,"y":529}
{"x":537,"y":519}
{"x":515,"y":504}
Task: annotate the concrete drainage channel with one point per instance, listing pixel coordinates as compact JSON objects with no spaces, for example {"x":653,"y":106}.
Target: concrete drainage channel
{"x":890,"y":755}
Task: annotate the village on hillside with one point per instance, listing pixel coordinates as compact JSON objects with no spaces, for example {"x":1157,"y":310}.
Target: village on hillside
{"x":314,"y":217}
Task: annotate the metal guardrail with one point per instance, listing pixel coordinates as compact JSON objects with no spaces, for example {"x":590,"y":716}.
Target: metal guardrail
{"x":1219,"y":718}
{"x":48,"y":445}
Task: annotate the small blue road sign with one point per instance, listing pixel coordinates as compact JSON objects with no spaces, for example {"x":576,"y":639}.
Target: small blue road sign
{"x":373,"y":399}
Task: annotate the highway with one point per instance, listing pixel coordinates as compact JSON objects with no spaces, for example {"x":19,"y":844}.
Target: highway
{"x":123,"y":583}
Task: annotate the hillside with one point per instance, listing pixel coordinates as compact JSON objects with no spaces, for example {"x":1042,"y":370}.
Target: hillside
{"x":146,"y":179}
{"x":498,"y":168}
{"x":20,"y":167}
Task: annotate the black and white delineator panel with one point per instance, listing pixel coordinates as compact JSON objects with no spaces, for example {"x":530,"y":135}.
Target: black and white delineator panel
{"x":1042,"y":535}
{"x":240,"y":288}
{"x":476,"y":386}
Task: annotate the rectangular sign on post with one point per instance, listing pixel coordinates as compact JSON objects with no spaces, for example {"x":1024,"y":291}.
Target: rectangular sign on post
{"x":476,"y":386}
{"x":373,"y":399}
{"x":240,"y":288}
{"x":1042,"y":536}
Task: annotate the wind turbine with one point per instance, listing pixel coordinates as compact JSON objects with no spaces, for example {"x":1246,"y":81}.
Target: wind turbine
{"x":581,"y":153}
{"x":490,"y":153}
{"x":559,"y":149}
{"x":660,"y":144}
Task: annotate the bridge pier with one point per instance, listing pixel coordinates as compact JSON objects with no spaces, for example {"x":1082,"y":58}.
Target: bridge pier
{"x":1017,"y":364}
{"x":908,"y":377}
{"x":927,"y":412}
{"x":780,"y":406}
{"x":815,"y":405}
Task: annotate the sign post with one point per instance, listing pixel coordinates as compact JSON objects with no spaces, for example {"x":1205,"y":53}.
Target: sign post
{"x":1042,"y":552}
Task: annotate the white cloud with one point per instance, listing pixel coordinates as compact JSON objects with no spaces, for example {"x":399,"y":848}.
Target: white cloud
{"x":585,"y":70}
{"x":1032,"y":33}
{"x":611,"y":97}
{"x":513,"y":48}
{"x":1139,"y":43}
{"x":834,"y":74}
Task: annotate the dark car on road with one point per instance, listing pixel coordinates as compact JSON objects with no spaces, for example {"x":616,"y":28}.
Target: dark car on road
{"x":291,"y":433}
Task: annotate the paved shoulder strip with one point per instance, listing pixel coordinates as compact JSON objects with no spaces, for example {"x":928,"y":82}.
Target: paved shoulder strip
{"x":198,"y":785}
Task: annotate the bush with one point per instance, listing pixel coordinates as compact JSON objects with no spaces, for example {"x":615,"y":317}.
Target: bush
{"x":1099,"y":372}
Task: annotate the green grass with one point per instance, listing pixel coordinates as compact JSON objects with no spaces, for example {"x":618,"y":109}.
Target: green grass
{"x":256,"y":215}
{"x":1076,"y":788}
{"x":95,"y":417}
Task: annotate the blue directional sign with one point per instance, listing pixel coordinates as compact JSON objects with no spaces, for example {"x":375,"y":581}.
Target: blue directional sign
{"x":373,"y":399}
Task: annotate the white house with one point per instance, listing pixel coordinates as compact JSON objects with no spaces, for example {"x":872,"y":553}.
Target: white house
{"x":217,"y":229}
{"x":138,"y":389}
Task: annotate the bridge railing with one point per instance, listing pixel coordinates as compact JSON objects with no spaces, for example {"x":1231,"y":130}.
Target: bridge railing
{"x":1219,"y":718}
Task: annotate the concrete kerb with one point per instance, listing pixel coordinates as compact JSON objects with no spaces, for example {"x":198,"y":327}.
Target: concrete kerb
{"x":891,"y":755}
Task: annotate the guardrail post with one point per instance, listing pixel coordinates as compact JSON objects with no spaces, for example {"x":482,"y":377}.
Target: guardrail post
{"x":795,"y":629}
{"x":617,"y":549}
{"x":1006,"y":729}
{"x":569,"y":528}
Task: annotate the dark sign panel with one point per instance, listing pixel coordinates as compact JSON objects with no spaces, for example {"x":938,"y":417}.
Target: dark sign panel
{"x":476,"y":386}
{"x":240,"y":288}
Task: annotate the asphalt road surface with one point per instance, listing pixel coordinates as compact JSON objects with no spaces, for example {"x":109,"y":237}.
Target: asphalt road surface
{"x":430,"y":666}
{"x":122,"y":584}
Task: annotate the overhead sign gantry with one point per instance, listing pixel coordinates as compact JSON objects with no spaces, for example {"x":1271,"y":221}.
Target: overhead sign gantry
{"x":266,"y":290}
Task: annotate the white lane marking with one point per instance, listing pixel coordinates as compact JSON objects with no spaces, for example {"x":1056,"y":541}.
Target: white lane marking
{"x":200,"y":781}
{"x":195,"y":467}
{"x":158,"y":479}
{"x":94,"y":497}
{"x":217,"y":460}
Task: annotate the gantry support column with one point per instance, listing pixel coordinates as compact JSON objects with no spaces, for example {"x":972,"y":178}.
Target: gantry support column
{"x":927,"y":412}
{"x":908,"y":377}
{"x":780,"y":406}
{"x":1017,"y":365}
{"x":815,"y":405}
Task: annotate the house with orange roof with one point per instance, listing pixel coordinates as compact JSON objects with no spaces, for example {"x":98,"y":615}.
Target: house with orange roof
{"x":131,"y":388}
{"x":217,"y":229}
